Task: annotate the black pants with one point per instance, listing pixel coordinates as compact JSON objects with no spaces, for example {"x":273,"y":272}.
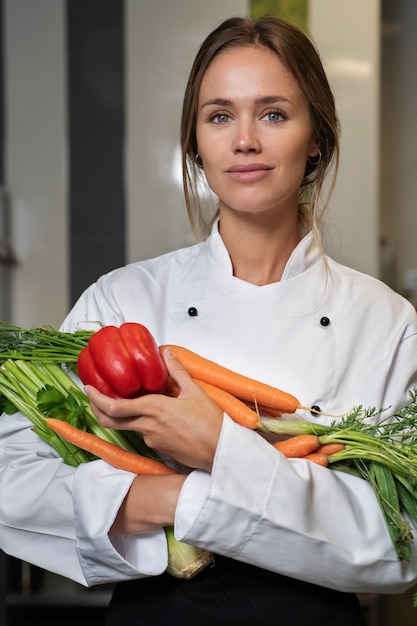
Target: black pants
{"x":227,"y":593}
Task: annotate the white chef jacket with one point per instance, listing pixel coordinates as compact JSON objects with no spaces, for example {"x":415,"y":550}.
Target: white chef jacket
{"x":331,"y":336}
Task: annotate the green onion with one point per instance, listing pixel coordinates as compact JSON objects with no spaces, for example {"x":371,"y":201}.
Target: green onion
{"x":41,"y":343}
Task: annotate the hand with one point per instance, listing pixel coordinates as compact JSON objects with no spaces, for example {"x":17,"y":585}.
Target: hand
{"x":185,"y":428}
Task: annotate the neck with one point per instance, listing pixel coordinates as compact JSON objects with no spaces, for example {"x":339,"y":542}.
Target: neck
{"x":259,"y":250}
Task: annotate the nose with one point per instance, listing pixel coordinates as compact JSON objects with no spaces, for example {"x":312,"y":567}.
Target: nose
{"x":246,"y":138}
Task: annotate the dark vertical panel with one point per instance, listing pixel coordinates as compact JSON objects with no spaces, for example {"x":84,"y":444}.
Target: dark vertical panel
{"x":96,"y":103}
{"x":6,"y":256}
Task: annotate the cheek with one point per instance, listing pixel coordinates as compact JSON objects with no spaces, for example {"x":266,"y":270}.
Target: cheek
{"x":212,"y":164}
{"x":201,"y":138}
{"x":209,"y":154}
{"x":213,"y":179}
{"x":294,"y":147}
{"x":295,"y":156}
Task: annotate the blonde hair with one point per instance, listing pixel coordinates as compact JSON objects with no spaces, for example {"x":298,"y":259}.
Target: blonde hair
{"x":298,"y":54}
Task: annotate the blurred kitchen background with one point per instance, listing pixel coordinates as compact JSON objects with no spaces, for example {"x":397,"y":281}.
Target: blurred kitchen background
{"x":90,"y":101}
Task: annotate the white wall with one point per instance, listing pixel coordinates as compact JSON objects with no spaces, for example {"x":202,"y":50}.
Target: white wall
{"x":348,"y":38}
{"x":162,"y":40}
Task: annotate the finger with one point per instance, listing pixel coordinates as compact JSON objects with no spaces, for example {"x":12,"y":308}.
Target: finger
{"x":103,"y":403}
{"x":177,"y":371}
{"x":121,"y":408}
{"x":113,"y":417}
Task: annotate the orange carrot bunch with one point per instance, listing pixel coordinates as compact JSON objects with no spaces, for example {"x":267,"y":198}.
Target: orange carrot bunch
{"x":308,"y":447}
{"x":234,"y":392}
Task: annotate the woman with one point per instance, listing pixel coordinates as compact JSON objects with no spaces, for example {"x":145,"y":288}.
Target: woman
{"x":293,"y":541}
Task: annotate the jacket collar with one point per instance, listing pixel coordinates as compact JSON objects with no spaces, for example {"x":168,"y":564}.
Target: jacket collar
{"x":306,"y":254}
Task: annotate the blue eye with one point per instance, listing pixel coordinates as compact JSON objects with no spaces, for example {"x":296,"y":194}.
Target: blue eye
{"x":274,"y":116}
{"x":220,"y":118}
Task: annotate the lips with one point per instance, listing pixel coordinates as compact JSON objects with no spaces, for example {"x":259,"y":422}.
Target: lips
{"x":248,"y":167}
{"x":248,"y":172}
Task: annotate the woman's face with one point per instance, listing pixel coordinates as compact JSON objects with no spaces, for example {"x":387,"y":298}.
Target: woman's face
{"x":254,"y":131}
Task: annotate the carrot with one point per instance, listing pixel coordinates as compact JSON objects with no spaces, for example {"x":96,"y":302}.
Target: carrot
{"x":298,"y":446}
{"x":243,"y":387}
{"x":330,"y":448}
{"x":318,"y":457}
{"x":264,"y":410}
{"x":122,"y":459}
{"x":235,"y":408}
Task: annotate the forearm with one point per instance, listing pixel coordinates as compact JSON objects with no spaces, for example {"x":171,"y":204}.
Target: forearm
{"x":150,"y":504}
{"x":49,"y":508}
{"x":289,"y":517}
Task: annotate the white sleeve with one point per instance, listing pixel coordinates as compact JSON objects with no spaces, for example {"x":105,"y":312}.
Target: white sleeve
{"x":49,"y":509}
{"x":292,"y":517}
{"x":58,"y":517}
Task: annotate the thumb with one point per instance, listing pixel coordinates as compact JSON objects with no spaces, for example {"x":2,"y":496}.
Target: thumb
{"x":177,"y":371}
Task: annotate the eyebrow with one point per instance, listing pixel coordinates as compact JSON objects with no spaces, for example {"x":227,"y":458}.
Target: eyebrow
{"x":264,"y":100}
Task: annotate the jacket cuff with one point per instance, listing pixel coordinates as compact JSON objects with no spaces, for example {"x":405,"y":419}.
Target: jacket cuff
{"x":206,"y":497}
{"x":99,"y":490}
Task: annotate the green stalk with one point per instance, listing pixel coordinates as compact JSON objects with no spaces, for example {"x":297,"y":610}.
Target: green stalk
{"x":185,"y":560}
{"x":41,"y":343}
{"x":128,"y":441}
{"x":22,"y":377}
{"x":23,"y":403}
{"x":358,"y":445}
{"x":388,"y":458}
{"x":387,"y":495}
{"x":407,"y":497}
{"x":292,"y":427}
{"x":32,"y":377}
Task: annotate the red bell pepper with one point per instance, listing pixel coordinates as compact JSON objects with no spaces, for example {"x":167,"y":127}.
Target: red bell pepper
{"x":123,"y":362}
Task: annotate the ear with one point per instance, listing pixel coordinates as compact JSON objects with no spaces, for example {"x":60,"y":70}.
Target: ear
{"x":315,"y":147}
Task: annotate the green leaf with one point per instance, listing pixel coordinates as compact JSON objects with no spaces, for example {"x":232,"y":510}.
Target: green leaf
{"x":6,"y":406}
{"x":50,"y":400}
{"x":386,"y":491}
{"x":52,"y":403}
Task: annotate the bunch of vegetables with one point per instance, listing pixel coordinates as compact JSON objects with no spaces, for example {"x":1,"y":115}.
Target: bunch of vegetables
{"x":125,"y":362}
{"x":37,"y":368}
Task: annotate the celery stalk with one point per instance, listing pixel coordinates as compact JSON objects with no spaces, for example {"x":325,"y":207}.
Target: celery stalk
{"x":185,"y":560}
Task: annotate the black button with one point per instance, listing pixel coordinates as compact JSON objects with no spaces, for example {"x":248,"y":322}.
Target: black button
{"x":192,"y":311}
{"x":325,"y":321}
{"x":315,"y":409}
